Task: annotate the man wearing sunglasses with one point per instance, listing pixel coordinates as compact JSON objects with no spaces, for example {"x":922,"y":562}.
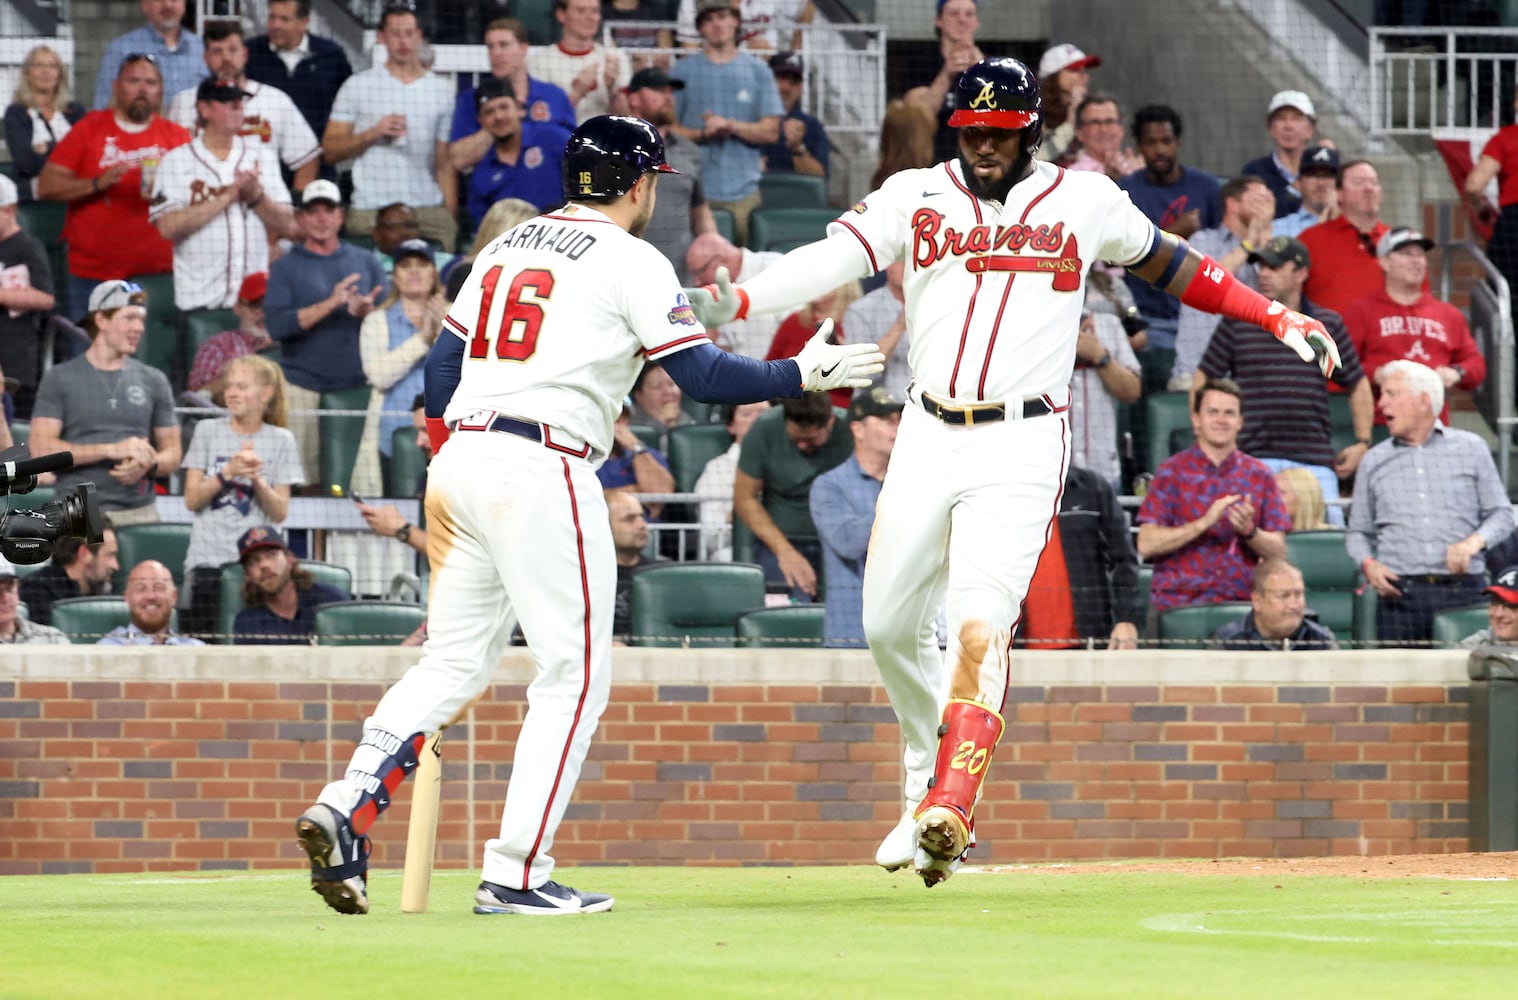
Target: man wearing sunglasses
{"x":104,"y":169}
{"x":177,"y":50}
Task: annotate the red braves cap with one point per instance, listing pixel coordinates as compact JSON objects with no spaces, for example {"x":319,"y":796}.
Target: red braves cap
{"x":253,"y":287}
{"x":1505,"y":587}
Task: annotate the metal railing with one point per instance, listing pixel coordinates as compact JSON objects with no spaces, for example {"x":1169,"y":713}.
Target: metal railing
{"x":1424,"y":80}
{"x":1491,"y":321}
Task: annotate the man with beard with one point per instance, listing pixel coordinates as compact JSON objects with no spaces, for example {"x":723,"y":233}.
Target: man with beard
{"x":77,"y":569}
{"x":104,"y":169}
{"x":979,"y":459}
{"x":520,"y":411}
{"x":525,"y":158}
{"x":150,"y":599}
{"x":681,"y":213}
{"x":279,"y":598}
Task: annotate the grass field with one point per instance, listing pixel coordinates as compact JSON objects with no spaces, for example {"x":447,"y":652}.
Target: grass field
{"x":770,"y":932}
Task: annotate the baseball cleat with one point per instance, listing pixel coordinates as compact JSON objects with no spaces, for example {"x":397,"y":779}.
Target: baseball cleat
{"x":547,"y":900}
{"x":899,"y":847}
{"x":339,"y":860}
{"x":933,"y":870}
{"x":944,"y":837}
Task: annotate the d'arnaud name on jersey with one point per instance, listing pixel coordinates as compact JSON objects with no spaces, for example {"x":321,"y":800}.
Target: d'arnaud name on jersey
{"x":567,"y":240}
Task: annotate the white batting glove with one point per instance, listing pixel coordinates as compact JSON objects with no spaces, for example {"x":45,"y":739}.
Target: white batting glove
{"x":1306,"y":336}
{"x":718,"y":304}
{"x":837,"y":366}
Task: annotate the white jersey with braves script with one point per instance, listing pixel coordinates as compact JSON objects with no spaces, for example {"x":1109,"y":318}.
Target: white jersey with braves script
{"x":210,"y":263}
{"x":994,"y":295}
{"x":558,"y":316}
{"x":269,"y":117}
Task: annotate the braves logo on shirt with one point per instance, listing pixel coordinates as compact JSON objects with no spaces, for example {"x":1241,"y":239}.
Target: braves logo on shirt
{"x":252,"y":125}
{"x":201,"y":191}
{"x":1059,"y":255}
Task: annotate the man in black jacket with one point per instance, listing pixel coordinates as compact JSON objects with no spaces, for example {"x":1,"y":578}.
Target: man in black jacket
{"x":1085,"y":590}
{"x":1278,"y":620}
{"x":307,"y":67}
{"x":76,"y":570}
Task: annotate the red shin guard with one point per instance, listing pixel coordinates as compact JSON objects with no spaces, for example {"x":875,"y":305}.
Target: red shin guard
{"x":966,"y":740}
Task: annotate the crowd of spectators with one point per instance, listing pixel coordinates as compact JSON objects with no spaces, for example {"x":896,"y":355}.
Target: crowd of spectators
{"x":320,"y":210}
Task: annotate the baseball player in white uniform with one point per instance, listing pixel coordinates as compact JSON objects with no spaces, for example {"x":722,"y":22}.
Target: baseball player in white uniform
{"x":554,"y":322}
{"x":218,"y":197}
{"x":997,"y":246}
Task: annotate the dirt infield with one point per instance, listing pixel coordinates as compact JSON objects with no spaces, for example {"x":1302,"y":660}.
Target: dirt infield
{"x":1452,"y":866}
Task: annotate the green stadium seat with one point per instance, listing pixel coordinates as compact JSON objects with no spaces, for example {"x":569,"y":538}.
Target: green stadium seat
{"x":698,"y":411}
{"x":340,"y":435}
{"x":1169,"y":425}
{"x":537,"y":17}
{"x":791,"y":626}
{"x":1342,"y":424}
{"x":793,"y":191}
{"x":693,"y":603}
{"x":1457,"y":623}
{"x":1329,"y":576}
{"x":1190,"y":628}
{"x":201,"y":327}
{"x":774,"y":228}
{"x":727,"y":225}
{"x":1145,"y":584}
{"x":649,"y":436}
{"x":408,"y":463}
{"x":21,"y":431}
{"x":743,"y":541}
{"x":691,"y":447}
{"x":160,"y":345}
{"x":367,"y":623}
{"x":165,"y":541}
{"x":231,"y":588}
{"x":1365,"y":617}
{"x":44,"y":220}
{"x":85,"y":619}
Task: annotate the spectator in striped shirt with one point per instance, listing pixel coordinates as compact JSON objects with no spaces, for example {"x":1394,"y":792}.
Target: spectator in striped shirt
{"x":1288,"y":423}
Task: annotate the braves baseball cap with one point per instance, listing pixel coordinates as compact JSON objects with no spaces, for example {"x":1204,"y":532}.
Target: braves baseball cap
{"x":653,"y":78}
{"x":8,"y":193}
{"x":413,"y":248}
{"x":874,"y":402}
{"x":259,"y":538}
{"x":787,"y":62}
{"x":1279,"y":250}
{"x":224,"y":91}
{"x":253,"y":287}
{"x":489,"y":89}
{"x":1320,"y":158}
{"x":1396,"y":239}
{"x":1291,"y":99}
{"x":1065,"y":56}
{"x":1505,"y":587}
{"x":321,"y":191}
{"x":115,"y":294}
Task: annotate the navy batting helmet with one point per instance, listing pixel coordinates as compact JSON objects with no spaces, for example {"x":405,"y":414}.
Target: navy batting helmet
{"x":1000,"y":93}
{"x":607,"y":154}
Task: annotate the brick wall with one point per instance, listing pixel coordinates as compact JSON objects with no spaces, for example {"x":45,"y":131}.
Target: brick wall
{"x":182,"y":759}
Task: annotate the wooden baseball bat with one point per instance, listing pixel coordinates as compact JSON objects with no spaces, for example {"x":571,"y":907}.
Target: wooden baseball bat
{"x":421,"y":834}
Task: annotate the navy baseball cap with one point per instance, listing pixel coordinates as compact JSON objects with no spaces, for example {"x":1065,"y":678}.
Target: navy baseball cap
{"x":1279,"y":250}
{"x":874,"y":402}
{"x":489,"y":89}
{"x":788,"y":63}
{"x":1320,"y":158}
{"x":413,"y":248}
{"x":260,"y":538}
{"x":225,"y":91}
{"x":1505,"y":587}
{"x":653,"y":78}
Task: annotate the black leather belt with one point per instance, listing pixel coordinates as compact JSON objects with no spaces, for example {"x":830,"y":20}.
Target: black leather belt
{"x":1439,"y":579}
{"x":984,"y":413}
{"x":511,"y":425}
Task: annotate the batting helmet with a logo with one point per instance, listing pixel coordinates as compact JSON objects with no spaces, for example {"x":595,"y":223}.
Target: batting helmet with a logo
{"x":607,"y":154}
{"x":1000,"y":93}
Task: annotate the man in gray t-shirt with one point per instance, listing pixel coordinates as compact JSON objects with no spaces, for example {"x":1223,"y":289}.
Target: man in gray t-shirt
{"x":113,"y":412}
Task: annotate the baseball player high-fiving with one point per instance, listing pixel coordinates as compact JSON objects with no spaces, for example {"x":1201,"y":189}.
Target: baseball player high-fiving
{"x":997,"y":247}
{"x":542,"y":345}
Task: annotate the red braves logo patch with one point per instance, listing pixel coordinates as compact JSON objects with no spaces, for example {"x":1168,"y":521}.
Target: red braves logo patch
{"x":540,"y":112}
{"x":533,"y":158}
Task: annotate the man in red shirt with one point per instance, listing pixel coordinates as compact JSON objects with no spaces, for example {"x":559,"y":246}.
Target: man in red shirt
{"x":1402,"y":320}
{"x":104,"y":170}
{"x":1347,"y":244}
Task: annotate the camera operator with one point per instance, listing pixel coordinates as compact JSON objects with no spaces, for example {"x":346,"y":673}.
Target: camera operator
{"x":77,"y":569}
{"x":114,"y":413}
{"x":14,"y":629}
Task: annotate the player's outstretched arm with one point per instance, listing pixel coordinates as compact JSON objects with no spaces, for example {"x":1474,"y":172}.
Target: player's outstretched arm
{"x":802,"y":275}
{"x":1202,"y":283}
{"x":711,"y":375}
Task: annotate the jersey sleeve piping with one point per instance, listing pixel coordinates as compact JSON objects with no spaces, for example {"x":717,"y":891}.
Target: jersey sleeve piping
{"x":669,"y":347}
{"x":868,"y":250}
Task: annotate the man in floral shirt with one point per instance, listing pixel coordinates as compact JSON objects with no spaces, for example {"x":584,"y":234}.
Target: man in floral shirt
{"x":1212,"y":512}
